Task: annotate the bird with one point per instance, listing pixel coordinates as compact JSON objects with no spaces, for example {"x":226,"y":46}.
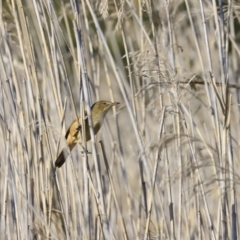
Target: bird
{"x":74,"y":133}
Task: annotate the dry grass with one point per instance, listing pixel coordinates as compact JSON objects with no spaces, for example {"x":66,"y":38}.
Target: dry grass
{"x":164,"y":166}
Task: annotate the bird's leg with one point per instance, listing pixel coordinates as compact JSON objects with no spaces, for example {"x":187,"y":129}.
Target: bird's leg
{"x":84,"y":150}
{"x":79,"y":127}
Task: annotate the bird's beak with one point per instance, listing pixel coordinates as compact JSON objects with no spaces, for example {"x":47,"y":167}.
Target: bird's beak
{"x":115,"y":103}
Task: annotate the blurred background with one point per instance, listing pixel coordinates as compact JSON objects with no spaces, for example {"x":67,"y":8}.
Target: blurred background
{"x":167,"y":156}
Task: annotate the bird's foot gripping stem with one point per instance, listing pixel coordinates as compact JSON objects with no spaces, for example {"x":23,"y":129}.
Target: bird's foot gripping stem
{"x":84,"y":150}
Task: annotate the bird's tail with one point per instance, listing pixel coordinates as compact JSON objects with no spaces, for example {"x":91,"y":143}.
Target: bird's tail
{"x":61,"y":158}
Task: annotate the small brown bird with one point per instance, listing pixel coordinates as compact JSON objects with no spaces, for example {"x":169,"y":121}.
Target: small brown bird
{"x":74,"y":132}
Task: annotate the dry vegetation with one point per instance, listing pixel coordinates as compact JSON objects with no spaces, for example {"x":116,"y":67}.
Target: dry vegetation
{"x":164,"y":165}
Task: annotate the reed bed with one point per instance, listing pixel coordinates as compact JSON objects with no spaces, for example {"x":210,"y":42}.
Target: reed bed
{"x":164,"y":165}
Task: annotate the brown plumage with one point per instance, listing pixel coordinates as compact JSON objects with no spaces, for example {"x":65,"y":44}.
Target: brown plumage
{"x":74,"y":132}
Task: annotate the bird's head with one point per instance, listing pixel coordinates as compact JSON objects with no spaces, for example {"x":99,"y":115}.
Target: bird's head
{"x":100,"y":108}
